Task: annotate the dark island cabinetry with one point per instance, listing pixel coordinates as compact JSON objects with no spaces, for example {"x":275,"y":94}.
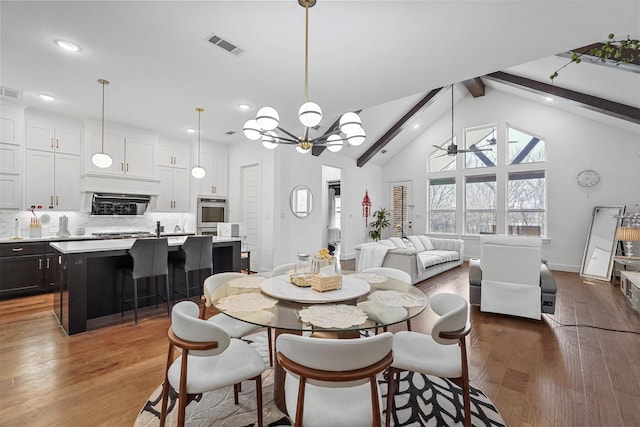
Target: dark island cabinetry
{"x":27,"y":268}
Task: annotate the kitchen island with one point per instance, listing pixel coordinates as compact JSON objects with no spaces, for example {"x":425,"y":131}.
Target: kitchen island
{"x":89,"y":285}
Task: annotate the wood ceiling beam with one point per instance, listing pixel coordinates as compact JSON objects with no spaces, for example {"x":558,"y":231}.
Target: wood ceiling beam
{"x":475,"y":87}
{"x":594,"y":103}
{"x":397,"y":127}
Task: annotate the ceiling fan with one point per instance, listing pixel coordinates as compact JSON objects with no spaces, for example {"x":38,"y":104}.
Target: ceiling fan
{"x":452,"y":149}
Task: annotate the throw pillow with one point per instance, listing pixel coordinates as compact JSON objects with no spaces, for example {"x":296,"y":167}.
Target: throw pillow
{"x":428,"y":246}
{"x":398,"y":242}
{"x":417,"y":244}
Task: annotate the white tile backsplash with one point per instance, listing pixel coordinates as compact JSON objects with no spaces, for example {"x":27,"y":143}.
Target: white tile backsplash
{"x":93,"y":224}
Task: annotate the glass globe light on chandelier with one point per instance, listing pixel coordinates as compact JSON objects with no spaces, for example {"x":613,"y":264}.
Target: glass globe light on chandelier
{"x":198,"y":172}
{"x":310,"y":114}
{"x":102,"y":159}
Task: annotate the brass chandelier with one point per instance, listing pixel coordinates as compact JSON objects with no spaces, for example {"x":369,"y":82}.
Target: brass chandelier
{"x":267,"y":119}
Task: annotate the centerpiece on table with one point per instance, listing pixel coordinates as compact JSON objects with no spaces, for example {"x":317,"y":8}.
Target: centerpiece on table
{"x":325,"y":276}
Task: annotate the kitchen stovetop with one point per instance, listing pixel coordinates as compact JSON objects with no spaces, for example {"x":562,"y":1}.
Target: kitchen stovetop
{"x":123,"y":234}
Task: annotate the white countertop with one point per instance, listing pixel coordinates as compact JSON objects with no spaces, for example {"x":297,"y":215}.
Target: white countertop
{"x":74,"y":247}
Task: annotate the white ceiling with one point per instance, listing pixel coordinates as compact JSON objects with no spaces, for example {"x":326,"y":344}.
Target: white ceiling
{"x":379,"y":56}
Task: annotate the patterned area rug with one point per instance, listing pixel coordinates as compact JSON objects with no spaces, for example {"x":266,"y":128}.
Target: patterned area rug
{"x":421,"y":401}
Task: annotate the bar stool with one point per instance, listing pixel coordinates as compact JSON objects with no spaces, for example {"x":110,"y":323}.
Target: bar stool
{"x":149,"y":260}
{"x":197,"y":256}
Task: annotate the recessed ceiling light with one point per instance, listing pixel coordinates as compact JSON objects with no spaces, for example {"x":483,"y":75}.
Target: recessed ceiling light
{"x":68,"y":46}
{"x":47,"y":97}
{"x":244,"y":106}
{"x":189,"y":130}
{"x":548,"y":99}
{"x":416,"y":126}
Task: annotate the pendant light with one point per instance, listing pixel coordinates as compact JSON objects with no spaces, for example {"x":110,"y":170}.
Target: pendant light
{"x":267,"y":120}
{"x":198,"y":172}
{"x":102,"y":159}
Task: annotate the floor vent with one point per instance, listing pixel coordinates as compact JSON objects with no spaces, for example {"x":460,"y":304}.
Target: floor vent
{"x":14,"y":94}
{"x":229,"y":47}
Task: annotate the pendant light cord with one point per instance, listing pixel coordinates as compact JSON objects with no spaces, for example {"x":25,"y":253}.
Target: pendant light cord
{"x":306,"y":54}
{"x":199,"y":110}
{"x":103,"y":82}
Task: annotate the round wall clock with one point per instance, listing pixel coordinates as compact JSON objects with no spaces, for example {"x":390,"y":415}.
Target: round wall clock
{"x":588,"y":178}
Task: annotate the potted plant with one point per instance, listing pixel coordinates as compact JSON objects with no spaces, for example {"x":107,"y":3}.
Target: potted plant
{"x":379,"y":223}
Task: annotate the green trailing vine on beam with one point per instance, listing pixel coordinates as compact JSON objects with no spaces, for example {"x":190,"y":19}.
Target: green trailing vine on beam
{"x":619,"y":51}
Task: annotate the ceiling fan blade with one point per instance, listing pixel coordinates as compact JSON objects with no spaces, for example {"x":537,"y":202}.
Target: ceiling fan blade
{"x":440,"y":148}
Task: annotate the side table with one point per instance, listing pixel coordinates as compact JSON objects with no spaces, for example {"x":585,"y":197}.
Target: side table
{"x":624,"y":263}
{"x":245,"y":261}
{"x":630,"y":287}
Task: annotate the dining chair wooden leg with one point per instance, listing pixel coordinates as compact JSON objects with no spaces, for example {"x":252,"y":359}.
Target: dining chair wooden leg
{"x":236,"y":390}
{"x":182,"y":394}
{"x":408,"y":324}
{"x":259,"y":400}
{"x":375,"y":403}
{"x":165,"y":387}
{"x":270,"y":347}
{"x":390,"y":393}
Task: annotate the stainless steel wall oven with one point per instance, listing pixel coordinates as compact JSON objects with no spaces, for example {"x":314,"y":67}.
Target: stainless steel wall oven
{"x":209,"y":213}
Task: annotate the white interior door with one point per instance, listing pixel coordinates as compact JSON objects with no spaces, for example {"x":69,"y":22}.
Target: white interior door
{"x":251,"y":212}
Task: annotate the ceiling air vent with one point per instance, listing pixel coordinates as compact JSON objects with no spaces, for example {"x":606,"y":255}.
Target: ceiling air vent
{"x":14,"y":94}
{"x":229,"y":47}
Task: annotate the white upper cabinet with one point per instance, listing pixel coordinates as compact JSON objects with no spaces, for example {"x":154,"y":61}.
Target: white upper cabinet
{"x":53,"y":135}
{"x":52,"y":180}
{"x":11,"y":125}
{"x":215,"y":162}
{"x":132,"y":152}
{"x":173,"y":196}
{"x":173,"y":154}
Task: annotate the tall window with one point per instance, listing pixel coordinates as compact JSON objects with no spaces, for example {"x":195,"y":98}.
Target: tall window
{"x":482,"y":144}
{"x":524,"y":148}
{"x":499,"y":164}
{"x":480,"y":202}
{"x":526,"y":203}
{"x":442,"y":201}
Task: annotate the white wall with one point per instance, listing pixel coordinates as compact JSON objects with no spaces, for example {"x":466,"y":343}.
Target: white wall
{"x":573,"y":143}
{"x":283,"y":234}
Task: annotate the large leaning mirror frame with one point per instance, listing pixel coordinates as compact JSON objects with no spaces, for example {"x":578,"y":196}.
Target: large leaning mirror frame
{"x":301,"y":201}
{"x":597,"y":262}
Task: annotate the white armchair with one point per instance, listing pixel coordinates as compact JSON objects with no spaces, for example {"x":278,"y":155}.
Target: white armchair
{"x":510,"y":277}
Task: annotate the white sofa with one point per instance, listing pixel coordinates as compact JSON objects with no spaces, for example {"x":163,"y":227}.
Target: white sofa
{"x":421,"y":256}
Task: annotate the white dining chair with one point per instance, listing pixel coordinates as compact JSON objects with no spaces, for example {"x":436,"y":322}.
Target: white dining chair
{"x":282,"y":269}
{"x":442,"y":354}
{"x":210,"y":360}
{"x":393,"y":273}
{"x":332,"y":382}
{"x":234,"y":327}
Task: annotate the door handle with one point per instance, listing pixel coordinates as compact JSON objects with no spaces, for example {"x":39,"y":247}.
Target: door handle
{"x":127,"y":170}
{"x":57,"y":143}
{"x":51,"y":142}
{"x":56,"y":200}
{"x":40,"y":264}
{"x":48,"y":266}
{"x":51,"y":200}
{"x":17,"y":249}
{"x":122,"y":166}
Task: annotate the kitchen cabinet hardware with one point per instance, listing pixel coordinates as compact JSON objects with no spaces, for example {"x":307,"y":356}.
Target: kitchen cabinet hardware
{"x":17,"y":249}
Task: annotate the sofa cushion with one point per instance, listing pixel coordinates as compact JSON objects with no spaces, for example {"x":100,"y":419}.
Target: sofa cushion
{"x":434,"y":257}
{"x":426,"y":242}
{"x":387,"y":243}
{"x":398,"y":242}
{"x":417,"y":244}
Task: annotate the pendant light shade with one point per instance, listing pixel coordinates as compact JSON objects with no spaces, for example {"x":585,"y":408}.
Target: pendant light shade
{"x":310,"y":114}
{"x":198,"y":172}
{"x":102,"y":159}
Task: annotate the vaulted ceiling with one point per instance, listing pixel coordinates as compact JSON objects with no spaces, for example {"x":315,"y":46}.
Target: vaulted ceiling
{"x":381,"y":57}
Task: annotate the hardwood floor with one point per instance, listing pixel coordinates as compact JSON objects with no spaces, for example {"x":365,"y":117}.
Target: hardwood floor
{"x":538,"y":373}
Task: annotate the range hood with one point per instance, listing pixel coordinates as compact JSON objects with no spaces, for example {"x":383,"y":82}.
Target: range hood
{"x":119,"y":204}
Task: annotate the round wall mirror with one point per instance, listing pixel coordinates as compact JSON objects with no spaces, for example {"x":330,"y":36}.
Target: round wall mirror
{"x":301,"y":201}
